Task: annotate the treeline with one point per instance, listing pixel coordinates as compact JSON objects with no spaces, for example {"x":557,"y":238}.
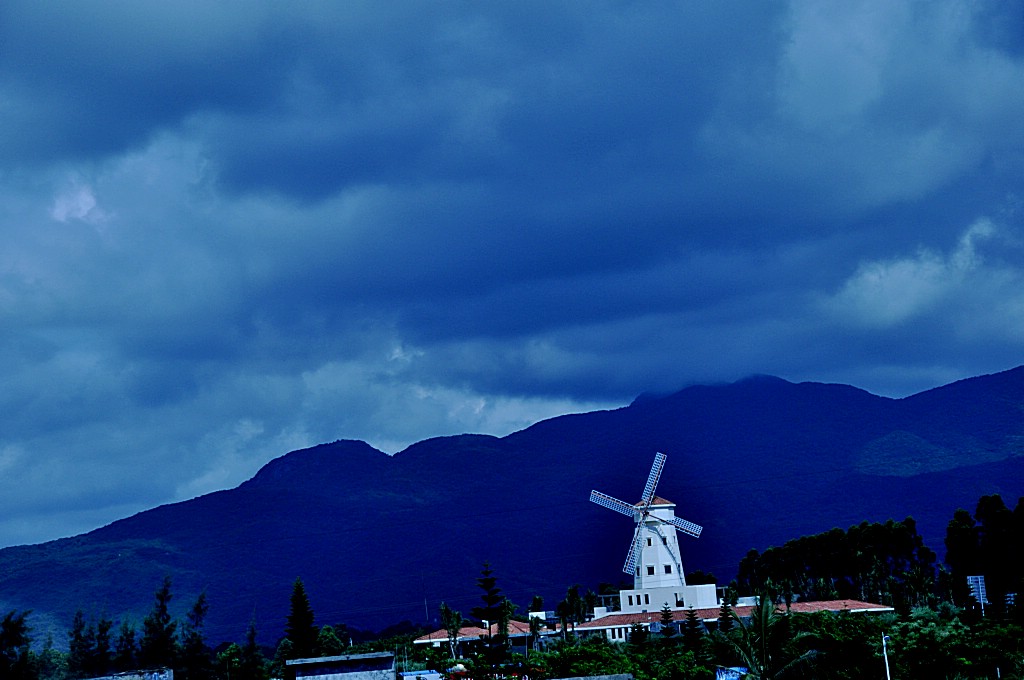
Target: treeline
{"x":889,"y":563}
{"x":936,"y":641}
{"x":96,"y":649}
{"x":937,"y":631}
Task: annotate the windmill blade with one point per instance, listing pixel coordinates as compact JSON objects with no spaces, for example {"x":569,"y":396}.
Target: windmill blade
{"x":682,"y":525}
{"x":634,"y":552}
{"x":652,"y":479}
{"x":686,"y":527}
{"x":615,"y":504}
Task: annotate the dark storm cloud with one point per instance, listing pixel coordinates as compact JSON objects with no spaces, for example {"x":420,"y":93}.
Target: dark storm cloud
{"x":235,"y":229}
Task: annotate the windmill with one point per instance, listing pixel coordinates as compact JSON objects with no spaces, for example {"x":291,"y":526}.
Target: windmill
{"x":648,"y":518}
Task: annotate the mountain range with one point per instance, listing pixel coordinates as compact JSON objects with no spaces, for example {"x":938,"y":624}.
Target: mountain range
{"x":380,"y":538}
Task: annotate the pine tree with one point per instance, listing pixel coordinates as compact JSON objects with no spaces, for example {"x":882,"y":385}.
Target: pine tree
{"x":195,"y":653}
{"x":125,"y":651}
{"x":79,"y":649}
{"x":491,"y":614}
{"x":693,"y":631}
{"x":491,"y":596}
{"x":299,"y":627}
{"x":252,"y":663}
{"x":159,"y":646}
{"x":668,"y":628}
{"x":725,"y":618}
{"x":102,"y":656}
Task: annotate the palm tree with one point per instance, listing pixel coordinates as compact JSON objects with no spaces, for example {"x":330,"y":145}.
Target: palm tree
{"x":452,"y":622}
{"x":763,"y":643}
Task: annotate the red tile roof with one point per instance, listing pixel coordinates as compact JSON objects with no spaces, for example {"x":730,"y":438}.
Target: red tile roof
{"x":617,"y":620}
{"x":471,"y":632}
{"x":658,"y":500}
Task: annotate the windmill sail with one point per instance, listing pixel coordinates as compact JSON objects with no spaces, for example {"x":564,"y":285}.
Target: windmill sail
{"x":641,"y":513}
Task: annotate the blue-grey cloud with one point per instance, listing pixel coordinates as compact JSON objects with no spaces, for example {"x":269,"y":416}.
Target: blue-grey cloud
{"x":235,"y":229}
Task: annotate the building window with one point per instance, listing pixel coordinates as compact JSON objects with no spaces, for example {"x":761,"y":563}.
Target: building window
{"x":668,"y":568}
{"x":630,"y":600}
{"x":648,"y":542}
{"x":664,"y":540}
{"x":650,"y":570}
{"x":647,"y":598}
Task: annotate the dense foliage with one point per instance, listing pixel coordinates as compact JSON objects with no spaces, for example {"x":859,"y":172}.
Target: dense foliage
{"x":885,"y":563}
{"x":937,"y":631}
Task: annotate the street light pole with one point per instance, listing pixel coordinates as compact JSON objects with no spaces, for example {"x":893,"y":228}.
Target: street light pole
{"x":885,"y":655}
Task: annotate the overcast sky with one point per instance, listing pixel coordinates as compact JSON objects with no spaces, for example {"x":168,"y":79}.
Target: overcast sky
{"x":234,"y":229}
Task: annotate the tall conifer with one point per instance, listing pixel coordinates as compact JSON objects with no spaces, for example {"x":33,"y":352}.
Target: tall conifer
{"x":299,"y":627}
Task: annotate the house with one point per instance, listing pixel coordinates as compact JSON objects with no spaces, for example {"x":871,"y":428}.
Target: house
{"x":473,"y":637}
{"x":377,"y":666}
{"x":616,"y":626}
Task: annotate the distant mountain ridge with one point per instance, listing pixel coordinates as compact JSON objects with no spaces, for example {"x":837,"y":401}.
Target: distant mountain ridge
{"x":378,"y":539}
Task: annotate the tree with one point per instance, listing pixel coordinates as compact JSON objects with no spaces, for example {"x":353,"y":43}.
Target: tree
{"x":50,"y":663}
{"x":995,"y":544}
{"x":195,"y":653}
{"x":492,"y":597}
{"x":762,"y":644}
{"x":159,"y":646}
{"x":490,"y":613}
{"x":725,"y":617}
{"x":698,"y":577}
{"x":15,"y":660}
{"x":103,"y":659}
{"x":229,"y":662}
{"x":505,"y":613}
{"x":299,"y":627}
{"x":89,"y":653}
{"x":451,"y":620}
{"x":930,"y":645}
{"x":79,"y":647}
{"x":328,"y":643}
{"x":693,"y":632}
{"x":592,"y":656}
{"x":887,"y":563}
{"x":574,"y":606}
{"x":125,"y":651}
{"x":962,"y":553}
{"x":284,"y":652}
{"x":252,"y":663}
{"x":668,"y":627}
{"x":639,"y":636}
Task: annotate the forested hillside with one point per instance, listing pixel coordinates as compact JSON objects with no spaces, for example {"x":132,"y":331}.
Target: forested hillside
{"x":380,"y":538}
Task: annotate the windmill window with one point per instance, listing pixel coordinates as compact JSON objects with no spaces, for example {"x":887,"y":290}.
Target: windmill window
{"x":650,"y":570}
{"x":664,"y":540}
{"x":648,"y":542}
{"x":668,"y":568}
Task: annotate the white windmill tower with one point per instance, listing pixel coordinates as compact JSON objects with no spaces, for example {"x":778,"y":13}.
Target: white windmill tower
{"x":653,"y":559}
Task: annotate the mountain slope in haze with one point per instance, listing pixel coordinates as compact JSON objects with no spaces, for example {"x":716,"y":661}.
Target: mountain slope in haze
{"x":378,"y":539}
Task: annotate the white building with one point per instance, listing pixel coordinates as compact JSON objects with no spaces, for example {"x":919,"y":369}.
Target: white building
{"x":659,"y":579}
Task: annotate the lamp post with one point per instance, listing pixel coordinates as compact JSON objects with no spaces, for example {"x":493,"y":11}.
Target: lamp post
{"x":885,"y":655}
